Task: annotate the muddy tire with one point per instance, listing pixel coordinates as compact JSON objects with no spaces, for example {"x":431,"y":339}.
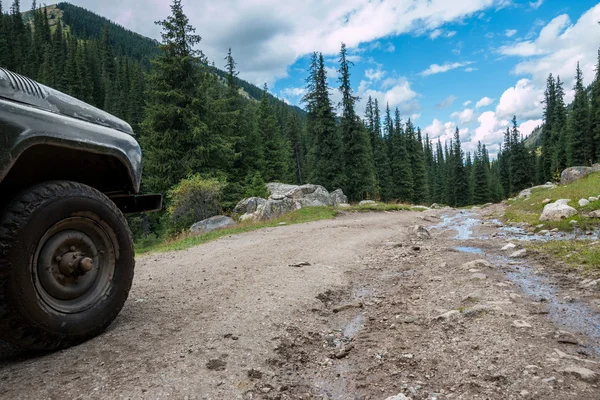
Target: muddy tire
{"x":66,"y":265}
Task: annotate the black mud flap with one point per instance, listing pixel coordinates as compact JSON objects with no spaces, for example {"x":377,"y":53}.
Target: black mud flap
{"x":138,"y":203}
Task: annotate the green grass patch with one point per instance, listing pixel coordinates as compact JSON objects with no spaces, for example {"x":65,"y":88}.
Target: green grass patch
{"x":187,"y":240}
{"x":529,"y":210}
{"x":579,"y":254}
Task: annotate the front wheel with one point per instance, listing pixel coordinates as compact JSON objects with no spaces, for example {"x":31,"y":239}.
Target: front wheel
{"x":66,"y":265}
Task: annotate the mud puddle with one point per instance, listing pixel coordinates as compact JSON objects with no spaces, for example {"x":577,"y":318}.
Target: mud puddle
{"x":570,"y":315}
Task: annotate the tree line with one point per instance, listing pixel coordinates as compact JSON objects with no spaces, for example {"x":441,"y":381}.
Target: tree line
{"x":193,"y":118}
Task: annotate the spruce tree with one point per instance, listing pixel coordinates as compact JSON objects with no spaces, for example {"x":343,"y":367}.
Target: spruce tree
{"x":595,"y":110}
{"x":326,"y":146}
{"x":547,"y":150}
{"x":481,"y":193}
{"x":520,"y":172}
{"x":277,"y":152}
{"x":380,"y":157}
{"x":559,"y":139}
{"x":400,"y":161}
{"x":581,"y":146}
{"x":359,"y":169}
{"x":293,"y":133}
{"x":419,"y":171}
{"x":175,"y":138}
{"x":459,"y":182}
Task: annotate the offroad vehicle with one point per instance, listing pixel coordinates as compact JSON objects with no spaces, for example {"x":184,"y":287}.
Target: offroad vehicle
{"x":68,"y":172}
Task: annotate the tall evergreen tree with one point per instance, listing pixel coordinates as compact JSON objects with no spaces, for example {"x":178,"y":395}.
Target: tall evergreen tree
{"x":400,"y":161}
{"x":481,"y":193}
{"x":419,"y":172}
{"x":581,"y":146}
{"x":460,"y":183}
{"x":547,"y":150}
{"x":559,"y":131}
{"x":277,"y":152}
{"x":359,"y":169}
{"x":595,"y":110}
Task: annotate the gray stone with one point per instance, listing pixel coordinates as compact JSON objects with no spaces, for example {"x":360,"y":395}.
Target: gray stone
{"x":248,"y":217}
{"x":435,"y":206}
{"x":582,"y":373}
{"x":276,"y":208}
{"x":519,"y":253}
{"x":399,"y":396}
{"x":583,"y":202}
{"x":366,"y":203}
{"x":478,"y":276}
{"x":572,"y":174}
{"x":593,"y":198}
{"x":557,"y":211}
{"x":519,"y":323}
{"x":480,"y":309}
{"x":421,"y":232}
{"x":546,"y":201}
{"x":344,"y":205}
{"x":509,"y":246}
{"x":476,"y":264}
{"x":338,"y":197}
{"x":594,"y":214}
{"x":544,"y":232}
{"x":566,"y":337}
{"x":276,"y":188}
{"x":212,"y":223}
{"x":249,"y":205}
{"x":474,"y":296}
{"x":310,"y":195}
{"x":524,"y":194}
{"x":452,"y":314}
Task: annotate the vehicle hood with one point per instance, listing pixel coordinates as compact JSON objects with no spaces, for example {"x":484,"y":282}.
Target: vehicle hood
{"x":24,"y":90}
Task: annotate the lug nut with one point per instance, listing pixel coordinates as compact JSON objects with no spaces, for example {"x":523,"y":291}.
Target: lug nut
{"x":72,"y":248}
{"x":87,"y":264}
{"x":58,"y":258}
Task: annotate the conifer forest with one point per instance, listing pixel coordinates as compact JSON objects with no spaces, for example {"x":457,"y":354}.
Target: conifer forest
{"x":192,"y":115}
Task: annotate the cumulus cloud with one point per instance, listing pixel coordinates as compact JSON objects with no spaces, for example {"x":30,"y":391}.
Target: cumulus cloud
{"x":558,"y":47}
{"x":448,"y":101}
{"x":438,"y":69}
{"x":510,"y":32}
{"x":374,"y":74}
{"x":293,"y":92}
{"x":267,"y":36}
{"x":536,"y":4}
{"x":465,"y":116}
{"x":443,"y":131}
{"x":466,"y":103}
{"x":484,"y":102}
{"x":523,"y":100}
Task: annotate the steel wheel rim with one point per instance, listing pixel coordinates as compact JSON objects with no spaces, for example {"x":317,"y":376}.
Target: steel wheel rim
{"x":74,"y":265}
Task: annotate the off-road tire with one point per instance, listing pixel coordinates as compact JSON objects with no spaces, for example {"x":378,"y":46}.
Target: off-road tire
{"x":26,"y":319}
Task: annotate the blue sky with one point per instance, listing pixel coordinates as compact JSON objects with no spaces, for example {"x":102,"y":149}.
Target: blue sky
{"x":445,"y":63}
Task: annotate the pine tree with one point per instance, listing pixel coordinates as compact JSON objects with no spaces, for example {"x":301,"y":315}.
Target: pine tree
{"x":481,"y":193}
{"x":460,"y":183}
{"x":4,"y":53}
{"x":520,"y":165}
{"x":293,"y":133}
{"x":547,"y":150}
{"x":277,"y":150}
{"x":175,"y":139}
{"x":595,"y":110}
{"x":559,"y":139}
{"x":440,"y":174}
{"x":359,"y":169}
{"x":504,"y":161}
{"x":470,"y":172}
{"x":419,"y":171}
{"x":381,"y":157}
{"x":326,"y":146}
{"x":231,"y":78}
{"x":400,"y":160}
{"x":581,"y":147}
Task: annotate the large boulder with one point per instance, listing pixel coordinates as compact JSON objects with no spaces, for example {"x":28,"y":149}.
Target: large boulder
{"x":249,"y":205}
{"x":310,"y":196}
{"x":276,"y":208}
{"x":558,"y":211}
{"x":572,"y":174}
{"x":212,"y":223}
{"x":526,"y":193}
{"x":276,"y":188}
{"x":338,"y":197}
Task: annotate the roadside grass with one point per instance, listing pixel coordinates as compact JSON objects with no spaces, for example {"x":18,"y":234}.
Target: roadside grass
{"x":186,"y":240}
{"x":529,"y":210}
{"x":578,"y":254}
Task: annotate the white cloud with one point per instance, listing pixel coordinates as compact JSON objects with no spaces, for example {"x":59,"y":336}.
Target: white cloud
{"x":510,"y":32}
{"x":465,"y":116}
{"x":437,"y":69}
{"x":396,"y":92}
{"x":450,"y":34}
{"x":443,"y":131}
{"x":466,"y":103}
{"x":484,"y":102}
{"x":435,"y":33}
{"x":528,"y":126}
{"x":523,"y":100}
{"x":293,"y":91}
{"x":448,"y":101}
{"x":390,"y":48}
{"x":558,"y":47}
{"x":536,"y":4}
{"x":374,"y":74}
{"x":470,"y":69}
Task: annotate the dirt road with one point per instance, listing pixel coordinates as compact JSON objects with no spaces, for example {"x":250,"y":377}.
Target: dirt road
{"x":354,"y":308}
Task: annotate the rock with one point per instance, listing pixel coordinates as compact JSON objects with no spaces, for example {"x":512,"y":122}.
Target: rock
{"x":525,"y":194}
{"x":572,"y":174}
{"x":582,"y":373}
{"x":544,"y":232}
{"x":435,"y":206}
{"x":476,"y":264}
{"x":338,"y":197}
{"x":311,"y":195}
{"x":567,"y":337}
{"x":276,"y":188}
{"x":557,"y":211}
{"x":519,"y":323}
{"x":478,"y":276}
{"x":563,"y":201}
{"x":594,"y":214}
{"x":344,"y":205}
{"x":212,"y":223}
{"x":486,"y":205}
{"x":583,"y":202}
{"x":248,"y":217}
{"x":421,"y":232}
{"x":546,"y":201}
{"x":452,"y":314}
{"x":399,"y":396}
{"x":249,"y":205}
{"x":366,"y":203}
{"x":479,"y":309}
{"x":509,"y":246}
{"x":593,"y":198}
{"x":474,"y":296}
{"x":519,"y":253}
{"x":552,"y":379}
{"x":573,"y":222}
{"x":216,"y":364}
{"x":276,"y":208}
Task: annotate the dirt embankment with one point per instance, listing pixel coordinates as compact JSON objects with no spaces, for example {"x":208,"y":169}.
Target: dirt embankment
{"x":355,"y":308}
